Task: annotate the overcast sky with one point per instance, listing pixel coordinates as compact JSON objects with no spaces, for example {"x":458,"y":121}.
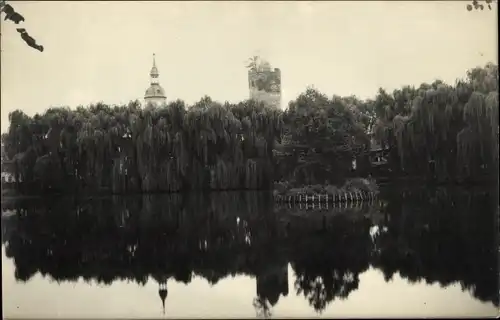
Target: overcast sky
{"x":102,"y":51}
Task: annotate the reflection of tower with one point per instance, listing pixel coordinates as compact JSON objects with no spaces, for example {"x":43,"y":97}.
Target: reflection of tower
{"x":155,"y":94}
{"x":163,"y":292}
{"x":265,"y":84}
{"x":272,"y":283}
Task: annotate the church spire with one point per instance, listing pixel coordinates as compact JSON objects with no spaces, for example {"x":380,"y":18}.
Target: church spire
{"x":154,"y":71}
{"x":155,"y":94}
{"x":163,"y":292}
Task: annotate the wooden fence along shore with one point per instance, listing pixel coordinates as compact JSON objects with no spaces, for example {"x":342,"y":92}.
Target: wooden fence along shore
{"x":327,"y":206}
{"x":326,"y":198}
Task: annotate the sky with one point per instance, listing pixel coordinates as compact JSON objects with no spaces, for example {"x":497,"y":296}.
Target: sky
{"x":102,"y":51}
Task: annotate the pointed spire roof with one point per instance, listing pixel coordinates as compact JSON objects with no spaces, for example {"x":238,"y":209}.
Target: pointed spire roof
{"x":154,"y":70}
{"x":155,"y":91}
{"x":163,"y":293}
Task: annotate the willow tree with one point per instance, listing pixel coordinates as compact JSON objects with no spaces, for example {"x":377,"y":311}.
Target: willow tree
{"x":129,"y":148}
{"x":447,"y":132}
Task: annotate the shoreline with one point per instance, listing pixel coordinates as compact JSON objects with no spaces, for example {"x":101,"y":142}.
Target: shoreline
{"x":11,"y":194}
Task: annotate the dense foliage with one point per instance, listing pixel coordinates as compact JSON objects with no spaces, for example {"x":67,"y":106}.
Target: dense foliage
{"x":169,"y":148}
{"x":152,"y":149}
{"x":322,"y":137}
{"x":437,"y":131}
{"x":442,"y":131}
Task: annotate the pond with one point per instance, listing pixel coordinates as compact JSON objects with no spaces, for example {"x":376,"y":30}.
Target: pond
{"x":232,"y":255}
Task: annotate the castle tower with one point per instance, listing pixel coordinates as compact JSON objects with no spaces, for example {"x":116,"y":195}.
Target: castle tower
{"x":265,"y":83}
{"x":155,"y":94}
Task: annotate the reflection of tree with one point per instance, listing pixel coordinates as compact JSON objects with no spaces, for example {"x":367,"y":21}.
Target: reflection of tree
{"x":262,"y":307}
{"x":272,"y":281}
{"x":322,"y":289}
{"x":171,"y":237}
{"x":446,"y":239}
{"x":328,"y":266}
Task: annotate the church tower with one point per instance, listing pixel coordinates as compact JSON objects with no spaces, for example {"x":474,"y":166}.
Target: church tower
{"x":155,"y":93}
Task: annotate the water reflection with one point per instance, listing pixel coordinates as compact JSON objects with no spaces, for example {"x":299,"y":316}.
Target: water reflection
{"x":175,"y":239}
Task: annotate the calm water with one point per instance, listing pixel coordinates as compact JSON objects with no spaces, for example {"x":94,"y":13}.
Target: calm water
{"x":238,"y":255}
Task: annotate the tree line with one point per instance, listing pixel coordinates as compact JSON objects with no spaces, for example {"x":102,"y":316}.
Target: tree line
{"x":444,"y":131}
{"x":437,"y":131}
